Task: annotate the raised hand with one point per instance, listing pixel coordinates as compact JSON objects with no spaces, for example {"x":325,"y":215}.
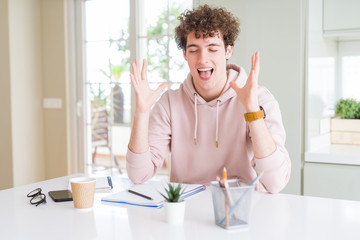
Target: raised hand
{"x":248,"y":94}
{"x":145,"y":96}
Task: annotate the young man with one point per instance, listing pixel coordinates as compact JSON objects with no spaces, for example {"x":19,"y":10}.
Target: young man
{"x":214,"y":120}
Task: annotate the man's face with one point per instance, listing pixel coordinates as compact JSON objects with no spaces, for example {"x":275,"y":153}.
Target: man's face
{"x":206,"y":58}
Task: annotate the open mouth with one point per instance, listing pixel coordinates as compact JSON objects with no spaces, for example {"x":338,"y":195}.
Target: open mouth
{"x":205,"y":73}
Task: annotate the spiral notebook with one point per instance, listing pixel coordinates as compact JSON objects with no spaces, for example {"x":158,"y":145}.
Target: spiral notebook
{"x":150,"y":189}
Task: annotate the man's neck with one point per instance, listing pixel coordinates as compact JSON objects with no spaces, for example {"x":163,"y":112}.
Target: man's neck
{"x":209,"y":96}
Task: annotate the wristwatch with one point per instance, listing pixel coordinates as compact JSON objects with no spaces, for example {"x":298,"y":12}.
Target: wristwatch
{"x":249,"y":117}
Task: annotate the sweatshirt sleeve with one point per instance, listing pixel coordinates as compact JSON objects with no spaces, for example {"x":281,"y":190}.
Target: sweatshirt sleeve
{"x":276,"y":168}
{"x":141,"y":167}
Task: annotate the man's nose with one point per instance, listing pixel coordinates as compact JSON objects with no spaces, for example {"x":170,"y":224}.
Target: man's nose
{"x":203,"y":56}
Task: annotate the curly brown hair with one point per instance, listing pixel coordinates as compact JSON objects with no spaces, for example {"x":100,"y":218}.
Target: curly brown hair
{"x":207,"y":22}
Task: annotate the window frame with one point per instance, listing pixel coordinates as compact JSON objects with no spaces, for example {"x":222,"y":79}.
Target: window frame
{"x":84,"y":148}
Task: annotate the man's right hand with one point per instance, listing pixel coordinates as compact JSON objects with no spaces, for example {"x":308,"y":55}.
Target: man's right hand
{"x":145,"y":97}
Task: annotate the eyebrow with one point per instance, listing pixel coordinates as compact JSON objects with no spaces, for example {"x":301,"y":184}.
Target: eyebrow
{"x":209,"y":45}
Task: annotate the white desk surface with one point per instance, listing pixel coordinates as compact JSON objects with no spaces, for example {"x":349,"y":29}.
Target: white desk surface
{"x":278,"y":216}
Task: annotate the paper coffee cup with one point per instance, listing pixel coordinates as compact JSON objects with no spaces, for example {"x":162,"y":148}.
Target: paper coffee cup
{"x":83,"y":191}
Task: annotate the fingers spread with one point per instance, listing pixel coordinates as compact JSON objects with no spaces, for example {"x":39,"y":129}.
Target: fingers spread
{"x":135,"y":71}
{"x":252,"y":61}
{"x":255,"y":66}
{"x":144,"y":70}
{"x":134,"y":83}
{"x":253,"y":75}
{"x":138,"y":74}
{"x":132,"y":78}
{"x":257,"y":62}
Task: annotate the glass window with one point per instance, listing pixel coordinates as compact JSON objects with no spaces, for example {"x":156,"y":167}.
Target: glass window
{"x":349,"y":62}
{"x":350,"y":77}
{"x":107,"y":55}
{"x":156,"y":40}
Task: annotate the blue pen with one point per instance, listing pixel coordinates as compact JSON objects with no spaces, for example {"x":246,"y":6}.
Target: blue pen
{"x":110,"y":182}
{"x":218,"y":179}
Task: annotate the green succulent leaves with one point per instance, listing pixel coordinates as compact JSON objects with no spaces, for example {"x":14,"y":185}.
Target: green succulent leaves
{"x":173,"y":193}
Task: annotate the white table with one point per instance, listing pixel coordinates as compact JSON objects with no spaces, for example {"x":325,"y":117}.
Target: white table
{"x":278,"y":216}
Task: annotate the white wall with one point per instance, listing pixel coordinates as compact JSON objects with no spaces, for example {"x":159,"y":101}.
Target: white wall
{"x":26,"y":90}
{"x":55,"y":85}
{"x":6,"y":164}
{"x":34,"y":142}
{"x":277,"y":29}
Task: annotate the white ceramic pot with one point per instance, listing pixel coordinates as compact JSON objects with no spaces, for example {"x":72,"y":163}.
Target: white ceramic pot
{"x":174,"y":212}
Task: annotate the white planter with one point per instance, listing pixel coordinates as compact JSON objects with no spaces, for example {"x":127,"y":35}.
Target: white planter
{"x":174,"y":212}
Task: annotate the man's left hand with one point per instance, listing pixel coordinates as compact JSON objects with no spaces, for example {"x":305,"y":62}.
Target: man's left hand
{"x":248,"y":94}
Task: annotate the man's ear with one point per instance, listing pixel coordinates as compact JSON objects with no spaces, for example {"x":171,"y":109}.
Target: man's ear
{"x":184,"y":53}
{"x":229,"y":51}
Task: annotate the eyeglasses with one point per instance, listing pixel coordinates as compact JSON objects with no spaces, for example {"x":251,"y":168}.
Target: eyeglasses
{"x":36,"y":197}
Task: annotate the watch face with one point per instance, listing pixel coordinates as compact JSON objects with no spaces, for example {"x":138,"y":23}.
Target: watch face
{"x":261,"y":108}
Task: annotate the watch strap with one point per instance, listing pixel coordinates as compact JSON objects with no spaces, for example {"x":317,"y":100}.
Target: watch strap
{"x":249,"y":117}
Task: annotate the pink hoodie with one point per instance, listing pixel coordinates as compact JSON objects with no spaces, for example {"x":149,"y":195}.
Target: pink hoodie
{"x":181,"y":115}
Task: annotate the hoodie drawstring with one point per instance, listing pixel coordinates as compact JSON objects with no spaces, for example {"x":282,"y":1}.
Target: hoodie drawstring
{"x":196,"y":118}
{"x":217,"y":122}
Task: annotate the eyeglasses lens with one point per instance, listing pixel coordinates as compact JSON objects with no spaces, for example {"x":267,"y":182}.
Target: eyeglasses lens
{"x":37,"y":197}
{"x":35,"y":192}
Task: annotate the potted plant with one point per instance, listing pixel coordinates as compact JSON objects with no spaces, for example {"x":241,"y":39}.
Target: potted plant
{"x":345,"y":128}
{"x":174,"y":206}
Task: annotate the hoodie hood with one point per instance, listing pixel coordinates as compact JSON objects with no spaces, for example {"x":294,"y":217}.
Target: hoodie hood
{"x":235,"y":74}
